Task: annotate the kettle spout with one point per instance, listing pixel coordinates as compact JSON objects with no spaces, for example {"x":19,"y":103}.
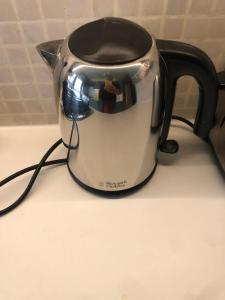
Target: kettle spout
{"x":48,"y":51}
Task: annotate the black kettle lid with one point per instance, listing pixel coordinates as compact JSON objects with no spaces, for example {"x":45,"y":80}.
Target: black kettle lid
{"x":110,"y":41}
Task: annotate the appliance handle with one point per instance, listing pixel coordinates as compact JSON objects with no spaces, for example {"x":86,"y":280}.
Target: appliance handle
{"x":182,"y":59}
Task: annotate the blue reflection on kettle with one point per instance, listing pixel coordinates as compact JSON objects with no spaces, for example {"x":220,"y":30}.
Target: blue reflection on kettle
{"x":75,"y":99}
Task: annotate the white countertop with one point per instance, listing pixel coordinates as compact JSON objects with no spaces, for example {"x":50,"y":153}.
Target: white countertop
{"x":165,"y":242}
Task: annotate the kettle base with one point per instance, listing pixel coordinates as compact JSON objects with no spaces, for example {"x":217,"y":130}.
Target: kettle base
{"x":112,"y":194}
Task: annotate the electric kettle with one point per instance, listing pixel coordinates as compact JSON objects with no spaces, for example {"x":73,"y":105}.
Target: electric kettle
{"x":217,"y":134}
{"x":114,"y":87}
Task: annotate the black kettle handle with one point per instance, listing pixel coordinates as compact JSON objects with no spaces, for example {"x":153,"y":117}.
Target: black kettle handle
{"x":182,"y":59}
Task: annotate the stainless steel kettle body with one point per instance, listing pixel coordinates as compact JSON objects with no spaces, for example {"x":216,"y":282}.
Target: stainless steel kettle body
{"x":106,"y":114}
{"x":110,"y":114}
{"x":113,"y":147}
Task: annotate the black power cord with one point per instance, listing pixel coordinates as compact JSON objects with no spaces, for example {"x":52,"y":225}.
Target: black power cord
{"x":187,"y":122}
{"x":37,"y":169}
{"x":44,"y":163}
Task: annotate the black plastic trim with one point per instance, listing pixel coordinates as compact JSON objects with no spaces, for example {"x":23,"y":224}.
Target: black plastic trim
{"x":183,"y":59}
{"x":110,"y":41}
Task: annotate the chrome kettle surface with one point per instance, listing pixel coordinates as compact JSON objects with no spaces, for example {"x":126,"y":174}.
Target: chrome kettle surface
{"x":108,"y":116}
{"x":111,"y":99}
{"x":113,"y":146}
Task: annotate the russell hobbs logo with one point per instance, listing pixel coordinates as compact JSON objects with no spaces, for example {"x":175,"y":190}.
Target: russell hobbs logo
{"x":113,"y":185}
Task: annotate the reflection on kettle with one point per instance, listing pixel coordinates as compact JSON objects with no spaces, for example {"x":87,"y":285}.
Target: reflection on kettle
{"x":75,"y":99}
{"x":82,"y":94}
{"x":115,"y":97}
{"x":108,"y":95}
